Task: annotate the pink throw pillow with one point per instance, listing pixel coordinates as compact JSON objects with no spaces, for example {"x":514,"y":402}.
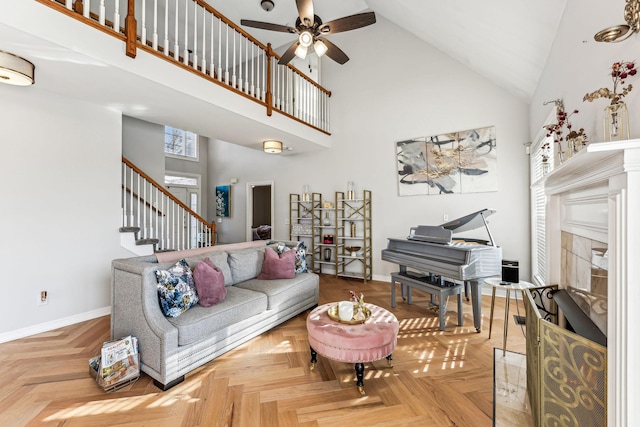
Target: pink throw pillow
{"x":278,"y":267}
{"x":209,"y":281}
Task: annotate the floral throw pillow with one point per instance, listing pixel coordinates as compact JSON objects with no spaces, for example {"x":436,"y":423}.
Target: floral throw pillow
{"x":301,"y":258}
{"x":176,"y":289}
{"x":301,"y":255}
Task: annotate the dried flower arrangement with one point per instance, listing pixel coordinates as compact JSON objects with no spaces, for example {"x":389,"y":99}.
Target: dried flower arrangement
{"x":620,"y":71}
{"x":557,"y":131}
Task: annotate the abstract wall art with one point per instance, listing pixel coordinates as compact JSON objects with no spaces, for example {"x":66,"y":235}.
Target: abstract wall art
{"x":222,"y":200}
{"x":452,"y":163}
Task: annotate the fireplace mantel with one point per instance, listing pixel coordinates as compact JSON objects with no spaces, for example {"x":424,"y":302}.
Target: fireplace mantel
{"x":596,"y":194}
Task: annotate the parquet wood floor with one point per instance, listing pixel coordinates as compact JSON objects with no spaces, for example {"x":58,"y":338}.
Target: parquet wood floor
{"x":438,"y":378}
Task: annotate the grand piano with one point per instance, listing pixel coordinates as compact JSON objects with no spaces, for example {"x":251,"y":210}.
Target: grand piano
{"x":433,"y":250}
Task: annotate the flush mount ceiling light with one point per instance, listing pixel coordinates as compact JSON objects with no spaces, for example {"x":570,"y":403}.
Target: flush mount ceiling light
{"x":15,"y":70}
{"x":267,"y":5}
{"x":272,"y":147}
{"x":620,"y":33}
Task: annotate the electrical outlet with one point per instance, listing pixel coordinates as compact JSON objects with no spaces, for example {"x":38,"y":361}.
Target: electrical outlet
{"x":445,"y":217}
{"x":43,"y":298}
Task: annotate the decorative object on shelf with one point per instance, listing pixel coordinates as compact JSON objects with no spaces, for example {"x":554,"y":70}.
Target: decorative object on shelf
{"x":352,"y":227}
{"x":351,"y":190}
{"x":456,"y":162}
{"x":622,"y":32}
{"x":327,"y":205}
{"x":576,"y":141}
{"x":556,"y":130}
{"x":353,"y":250}
{"x":616,"y":120}
{"x":327,"y":254}
{"x":326,"y":221}
{"x":328,"y":239}
{"x":306,"y":196}
{"x":223,"y":208}
{"x":301,"y":229}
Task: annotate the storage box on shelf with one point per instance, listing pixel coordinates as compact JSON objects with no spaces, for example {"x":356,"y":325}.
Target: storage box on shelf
{"x":326,"y":259}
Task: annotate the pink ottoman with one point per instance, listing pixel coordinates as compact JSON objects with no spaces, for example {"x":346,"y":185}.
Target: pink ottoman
{"x":372,"y":340}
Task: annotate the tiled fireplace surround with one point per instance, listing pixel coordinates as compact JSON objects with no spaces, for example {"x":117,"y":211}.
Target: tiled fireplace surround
{"x":584,"y":264}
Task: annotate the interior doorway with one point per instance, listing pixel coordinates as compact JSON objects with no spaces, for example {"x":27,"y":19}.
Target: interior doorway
{"x":260,"y":210}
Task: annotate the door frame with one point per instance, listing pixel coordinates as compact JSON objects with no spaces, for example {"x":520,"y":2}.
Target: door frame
{"x":249,"y":215}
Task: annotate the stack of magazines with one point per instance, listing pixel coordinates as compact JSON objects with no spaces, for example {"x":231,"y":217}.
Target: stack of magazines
{"x":118,"y":363}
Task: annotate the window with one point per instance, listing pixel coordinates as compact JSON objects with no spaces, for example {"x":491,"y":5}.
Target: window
{"x":181,"y":143}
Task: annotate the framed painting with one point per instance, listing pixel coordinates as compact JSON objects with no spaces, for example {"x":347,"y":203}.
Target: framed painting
{"x":458,"y":162}
{"x":223,"y":207}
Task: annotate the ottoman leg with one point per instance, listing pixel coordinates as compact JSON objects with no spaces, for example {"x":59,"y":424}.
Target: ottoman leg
{"x":390,"y":360}
{"x":314,"y":359}
{"x":360,"y":377}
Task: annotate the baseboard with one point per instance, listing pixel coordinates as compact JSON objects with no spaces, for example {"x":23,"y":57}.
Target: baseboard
{"x":54,"y":324}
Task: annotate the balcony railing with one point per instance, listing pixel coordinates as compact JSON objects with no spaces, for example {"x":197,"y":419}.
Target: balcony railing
{"x":195,"y":36}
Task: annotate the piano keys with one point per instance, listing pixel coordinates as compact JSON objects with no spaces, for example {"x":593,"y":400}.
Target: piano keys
{"x":433,"y":250}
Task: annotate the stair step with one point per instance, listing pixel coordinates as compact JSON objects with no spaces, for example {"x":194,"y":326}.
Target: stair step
{"x":129,"y":229}
{"x":147,"y":241}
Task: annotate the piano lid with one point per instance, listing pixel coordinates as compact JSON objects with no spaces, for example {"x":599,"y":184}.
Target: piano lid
{"x":469,"y":222}
{"x":443,"y":233}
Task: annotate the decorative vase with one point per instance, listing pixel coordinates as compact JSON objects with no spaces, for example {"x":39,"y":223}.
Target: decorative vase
{"x":327,"y":254}
{"x":616,"y":122}
{"x":345,"y":310}
{"x":353,"y":229}
{"x":326,"y":220}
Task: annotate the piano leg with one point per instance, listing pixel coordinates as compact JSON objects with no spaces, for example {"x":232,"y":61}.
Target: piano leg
{"x":476,"y":302}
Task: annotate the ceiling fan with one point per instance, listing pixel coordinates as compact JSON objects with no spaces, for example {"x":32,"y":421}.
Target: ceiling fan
{"x":310,"y":29}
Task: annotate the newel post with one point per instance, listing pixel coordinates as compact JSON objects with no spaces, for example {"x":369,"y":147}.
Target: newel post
{"x":269,"y":94}
{"x":130,"y":28}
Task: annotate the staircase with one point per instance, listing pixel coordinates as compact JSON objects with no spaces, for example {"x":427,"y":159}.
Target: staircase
{"x":153,"y":220}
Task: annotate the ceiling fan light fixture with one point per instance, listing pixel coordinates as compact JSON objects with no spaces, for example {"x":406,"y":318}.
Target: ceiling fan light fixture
{"x":320,"y":48}
{"x":15,"y":70}
{"x":267,"y":5}
{"x":306,"y":38}
{"x":301,"y":51}
{"x":622,"y":32}
{"x":272,"y":146}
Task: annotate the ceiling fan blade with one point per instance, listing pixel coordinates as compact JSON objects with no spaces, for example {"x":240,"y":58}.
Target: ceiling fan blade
{"x":334,"y":52}
{"x":305,"y":10}
{"x":348,"y":23}
{"x":289,"y":54}
{"x":268,"y":26}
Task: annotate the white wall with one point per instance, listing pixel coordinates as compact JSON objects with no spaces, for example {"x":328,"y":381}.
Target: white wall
{"x":60,"y":170}
{"x":143,"y":144}
{"x":394,"y":87}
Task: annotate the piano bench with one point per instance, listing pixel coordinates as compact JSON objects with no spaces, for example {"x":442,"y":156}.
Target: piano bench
{"x":441,"y":292}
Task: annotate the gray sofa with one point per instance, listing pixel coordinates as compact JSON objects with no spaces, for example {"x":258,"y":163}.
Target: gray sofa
{"x":172,"y":347}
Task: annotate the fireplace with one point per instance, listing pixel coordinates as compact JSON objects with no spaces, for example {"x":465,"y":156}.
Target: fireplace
{"x":591,"y":229}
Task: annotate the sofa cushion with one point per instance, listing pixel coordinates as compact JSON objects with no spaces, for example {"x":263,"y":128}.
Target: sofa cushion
{"x":176,"y":289}
{"x":219,"y":259}
{"x":284,"y":291}
{"x":245,"y":264}
{"x":200,"y":322}
{"x":277,"y":266}
{"x":209,"y":282}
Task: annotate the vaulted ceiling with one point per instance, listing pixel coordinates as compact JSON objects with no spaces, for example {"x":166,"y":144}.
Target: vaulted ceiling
{"x":505,"y":41}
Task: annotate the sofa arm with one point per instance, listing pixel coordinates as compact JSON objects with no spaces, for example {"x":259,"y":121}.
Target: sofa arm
{"x":135,"y":310}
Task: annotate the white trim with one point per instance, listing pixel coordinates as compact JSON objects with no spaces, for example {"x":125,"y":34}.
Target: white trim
{"x":54,"y":324}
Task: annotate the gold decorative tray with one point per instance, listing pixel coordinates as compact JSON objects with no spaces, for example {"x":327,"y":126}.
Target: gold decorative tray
{"x":333,"y":314}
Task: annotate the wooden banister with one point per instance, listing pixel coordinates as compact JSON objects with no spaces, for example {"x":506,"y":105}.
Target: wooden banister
{"x":167,"y":193}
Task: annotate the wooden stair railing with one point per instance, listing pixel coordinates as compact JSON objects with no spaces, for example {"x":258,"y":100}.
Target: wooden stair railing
{"x":196,"y":37}
{"x":158,"y":214}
